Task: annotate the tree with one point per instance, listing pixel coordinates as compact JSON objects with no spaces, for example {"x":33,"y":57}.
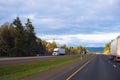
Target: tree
{"x":44,"y":42}
{"x":70,"y":48}
{"x":107,"y":48}
{"x":6,"y":39}
{"x":30,"y":27}
{"x":20,"y":41}
{"x":64,"y":46}
{"x":53,"y":45}
{"x":30,"y":38}
{"x":49,"y":48}
{"x":39,"y":47}
{"x":18,"y":25}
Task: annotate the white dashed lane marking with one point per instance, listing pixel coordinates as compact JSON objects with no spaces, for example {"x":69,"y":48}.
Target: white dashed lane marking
{"x":114,"y":66}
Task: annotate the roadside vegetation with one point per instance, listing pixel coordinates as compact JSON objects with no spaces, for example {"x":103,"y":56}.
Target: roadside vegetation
{"x":107,"y":48}
{"x":17,"y":39}
{"x":17,"y":72}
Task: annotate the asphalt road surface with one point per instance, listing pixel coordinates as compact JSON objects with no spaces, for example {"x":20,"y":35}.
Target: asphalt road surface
{"x":100,"y":68}
{"x":23,"y":60}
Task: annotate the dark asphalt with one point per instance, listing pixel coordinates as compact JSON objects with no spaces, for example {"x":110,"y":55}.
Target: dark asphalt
{"x":100,"y":68}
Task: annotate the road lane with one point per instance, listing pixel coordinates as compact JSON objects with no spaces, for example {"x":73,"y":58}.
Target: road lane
{"x":79,"y":69}
{"x":23,"y":60}
{"x":99,"y":69}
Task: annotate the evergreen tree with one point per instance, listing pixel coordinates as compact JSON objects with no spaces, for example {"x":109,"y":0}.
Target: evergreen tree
{"x":30,"y":27}
{"x":18,"y":25}
{"x":30,"y":38}
{"x":19,"y":38}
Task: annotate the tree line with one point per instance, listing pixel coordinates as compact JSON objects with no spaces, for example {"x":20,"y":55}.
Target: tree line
{"x":68,"y":50}
{"x":19,"y":40}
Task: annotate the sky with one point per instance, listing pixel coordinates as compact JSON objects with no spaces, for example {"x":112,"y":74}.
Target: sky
{"x":89,"y":23}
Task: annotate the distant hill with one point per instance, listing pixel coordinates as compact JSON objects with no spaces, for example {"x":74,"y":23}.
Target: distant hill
{"x":95,"y":49}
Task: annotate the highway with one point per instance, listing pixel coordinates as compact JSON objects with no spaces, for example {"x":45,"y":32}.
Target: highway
{"x":100,"y":68}
{"x":96,"y":68}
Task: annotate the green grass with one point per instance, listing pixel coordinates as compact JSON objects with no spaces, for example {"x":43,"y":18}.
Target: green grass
{"x":17,"y":72}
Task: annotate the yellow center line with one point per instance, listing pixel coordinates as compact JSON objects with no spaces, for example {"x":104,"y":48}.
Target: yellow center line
{"x":79,"y":69}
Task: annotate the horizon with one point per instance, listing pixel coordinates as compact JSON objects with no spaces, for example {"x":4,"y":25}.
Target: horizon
{"x":81,"y":22}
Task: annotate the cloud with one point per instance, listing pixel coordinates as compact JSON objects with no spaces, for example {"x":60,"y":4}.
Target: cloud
{"x":73,"y":20}
{"x":87,"y":40}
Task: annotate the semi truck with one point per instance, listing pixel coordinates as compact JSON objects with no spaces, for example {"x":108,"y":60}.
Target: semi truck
{"x":115,"y":49}
{"x":58,"y":51}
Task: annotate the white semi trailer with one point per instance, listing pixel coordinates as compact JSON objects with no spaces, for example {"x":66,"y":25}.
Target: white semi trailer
{"x":115,"y":49}
{"x":58,"y":51}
